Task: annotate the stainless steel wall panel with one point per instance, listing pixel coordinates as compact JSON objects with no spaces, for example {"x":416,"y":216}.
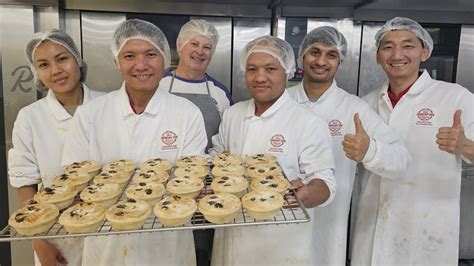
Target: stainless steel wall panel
{"x":465,"y":68}
{"x":347,"y":75}
{"x":371,"y":74}
{"x":247,"y":8}
{"x":281,"y":28}
{"x":97,"y":34}
{"x":72,"y":23}
{"x":220,"y":66}
{"x":16,"y":29}
{"x":245,"y":30}
{"x":465,"y":71}
{"x":46,"y":18}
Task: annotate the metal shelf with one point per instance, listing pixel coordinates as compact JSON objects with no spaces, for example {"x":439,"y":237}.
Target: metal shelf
{"x":291,"y":212}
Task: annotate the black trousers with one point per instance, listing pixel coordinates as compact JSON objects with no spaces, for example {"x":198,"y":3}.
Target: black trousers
{"x":203,"y":240}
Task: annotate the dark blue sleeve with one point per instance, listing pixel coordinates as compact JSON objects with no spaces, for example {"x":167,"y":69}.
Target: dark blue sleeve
{"x":222,"y":87}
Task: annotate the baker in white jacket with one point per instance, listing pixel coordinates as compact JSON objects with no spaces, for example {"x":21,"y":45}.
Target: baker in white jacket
{"x":138,"y":122}
{"x":358,"y":133}
{"x":40,"y":129}
{"x":414,"y":219}
{"x":196,"y":45}
{"x":271,"y":122}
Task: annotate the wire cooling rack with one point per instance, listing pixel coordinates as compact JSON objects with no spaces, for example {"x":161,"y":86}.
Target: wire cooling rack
{"x":292,"y":212}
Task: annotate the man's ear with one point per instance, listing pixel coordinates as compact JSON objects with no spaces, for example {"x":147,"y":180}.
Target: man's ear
{"x":425,"y":54}
{"x":117,"y":65}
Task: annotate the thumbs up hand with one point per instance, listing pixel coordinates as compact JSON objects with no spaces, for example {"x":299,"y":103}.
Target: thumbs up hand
{"x":452,"y":139}
{"x":356,"y":145}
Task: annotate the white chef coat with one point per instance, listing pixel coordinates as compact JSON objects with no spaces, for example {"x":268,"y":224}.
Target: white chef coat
{"x":386,"y":156}
{"x":181,"y":85}
{"x":414,"y":220}
{"x":107,"y":129}
{"x":301,"y":142}
{"x":38,"y":138}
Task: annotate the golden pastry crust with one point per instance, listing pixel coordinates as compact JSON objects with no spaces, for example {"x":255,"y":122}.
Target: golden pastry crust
{"x":236,"y":185}
{"x":103,"y":194}
{"x":260,"y":159}
{"x":192,"y":159}
{"x":226,"y":157}
{"x":89,"y":167}
{"x":195,"y":170}
{"x":185,"y":186}
{"x":128,"y":214}
{"x":157,"y":164}
{"x":261,"y":170}
{"x":110,"y":176}
{"x":277,"y":183}
{"x":148,"y":192}
{"x":35,"y":218}
{"x":262,"y":204}
{"x":83,"y":217}
{"x":150,"y":175}
{"x":219,"y":208}
{"x":127,"y":166}
{"x":228,"y":169}
{"x":61,"y":196}
{"x":175,"y":210}
{"x":73,"y":178}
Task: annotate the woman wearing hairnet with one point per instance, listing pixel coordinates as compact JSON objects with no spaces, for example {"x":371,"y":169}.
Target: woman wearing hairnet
{"x":40,"y":128}
{"x":358,"y":134}
{"x":138,"y":122}
{"x":414,"y":219}
{"x":271,"y":122}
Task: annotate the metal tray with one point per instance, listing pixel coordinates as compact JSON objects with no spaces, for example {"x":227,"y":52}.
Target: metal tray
{"x":292,"y":211}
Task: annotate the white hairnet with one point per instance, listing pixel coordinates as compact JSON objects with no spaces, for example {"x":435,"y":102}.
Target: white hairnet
{"x":195,"y":28}
{"x":278,"y":48}
{"x":136,"y":29}
{"x":325,"y":35}
{"x":59,"y":37}
{"x":401,"y":23}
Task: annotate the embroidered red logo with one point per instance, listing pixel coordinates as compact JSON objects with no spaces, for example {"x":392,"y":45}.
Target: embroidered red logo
{"x":425,"y":114}
{"x":168,"y":138}
{"x":335,"y":125}
{"x":277,"y":140}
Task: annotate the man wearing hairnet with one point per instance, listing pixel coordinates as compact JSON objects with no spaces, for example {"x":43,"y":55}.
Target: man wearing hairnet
{"x":40,"y":129}
{"x":358,"y":134}
{"x":196,"y":44}
{"x":303,"y":150}
{"x":136,"y":122}
{"x":414,"y":219}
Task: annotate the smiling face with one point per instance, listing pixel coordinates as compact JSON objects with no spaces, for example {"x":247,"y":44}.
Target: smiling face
{"x":265,"y":78}
{"x":320,"y":63}
{"x":141,"y":65}
{"x":196,"y":54}
{"x":57,"y":68}
{"x":400,"y":53}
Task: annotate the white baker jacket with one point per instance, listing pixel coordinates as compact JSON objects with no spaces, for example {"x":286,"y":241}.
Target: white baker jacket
{"x":301,"y":142}
{"x":107,"y":129}
{"x":414,"y":220}
{"x":386,"y":156}
{"x":38,"y":138}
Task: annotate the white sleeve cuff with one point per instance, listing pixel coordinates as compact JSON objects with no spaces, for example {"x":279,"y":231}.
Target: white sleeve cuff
{"x":371,"y":151}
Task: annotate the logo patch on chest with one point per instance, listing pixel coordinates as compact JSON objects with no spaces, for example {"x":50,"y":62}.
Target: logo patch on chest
{"x":168,"y":138}
{"x":335,"y":127}
{"x":425,"y":117}
{"x":277,"y":144}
